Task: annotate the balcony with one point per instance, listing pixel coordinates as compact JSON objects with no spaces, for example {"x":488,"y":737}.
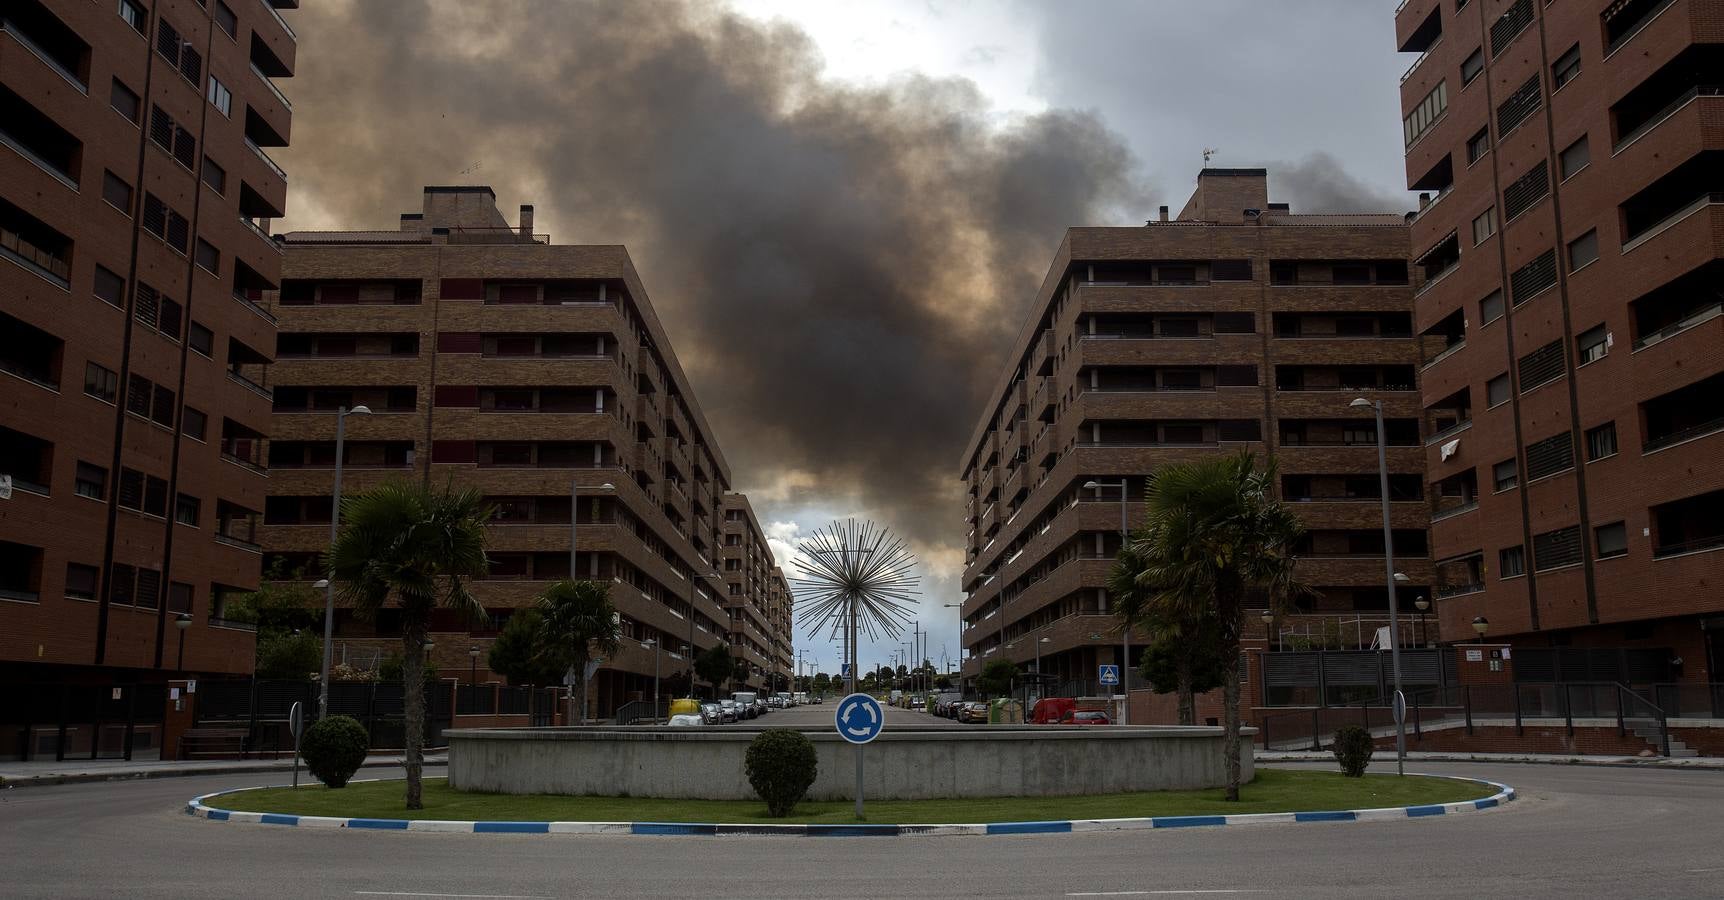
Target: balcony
{"x":1625,"y":19}
{"x":269,"y":5}
{"x":1690,"y":525}
{"x":258,"y":152}
{"x":1677,"y":306}
{"x":1684,"y":414}
{"x":39,"y":31}
{"x":39,"y":139}
{"x":30,"y":353}
{"x":30,"y":243}
{"x":1685,"y":190}
{"x":1438,"y":262}
{"x":267,"y":82}
{"x":28,"y":459}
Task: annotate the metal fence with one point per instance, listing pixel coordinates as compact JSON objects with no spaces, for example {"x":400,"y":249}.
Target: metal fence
{"x":262,"y":706}
{"x":82,"y":721}
{"x":1633,"y":709}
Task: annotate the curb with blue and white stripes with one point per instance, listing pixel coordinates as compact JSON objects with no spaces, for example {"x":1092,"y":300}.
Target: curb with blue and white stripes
{"x":200,"y":808}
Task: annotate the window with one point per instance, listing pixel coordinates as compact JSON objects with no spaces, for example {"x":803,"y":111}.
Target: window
{"x":1552,"y":455}
{"x":1497,"y":390}
{"x":209,"y":257}
{"x":226,"y":19}
{"x":131,"y":489}
{"x":186,"y":510}
{"x":215,"y":176}
{"x":1566,"y":68}
{"x":172,"y":137}
{"x":101,"y":383}
{"x":220,"y":97}
{"x":179,"y":597}
{"x":1478,"y":145}
{"x":1592,"y":344}
{"x":1426,"y":113}
{"x":91,"y":481}
{"x":133,"y":15}
{"x":1601,"y":441}
{"x":155,"y":496}
{"x":1575,"y":158}
{"x":1484,"y":225}
{"x":1505,"y":474}
{"x":117,"y":192}
{"x":1611,"y":540}
{"x":125,"y":101}
{"x":162,"y":407}
{"x":1582,"y":250}
{"x":1235,"y":323}
{"x":1509,"y":25}
{"x":192,"y":422}
{"x":1554,"y":549}
{"x":1472,"y":66}
{"x":1491,"y":307}
{"x":1511,"y":562}
{"x":108,"y":287}
{"x":1525,"y":101}
{"x":200,"y":338}
{"x":1534,"y":278}
{"x":1525,"y":191}
{"x":81,"y":581}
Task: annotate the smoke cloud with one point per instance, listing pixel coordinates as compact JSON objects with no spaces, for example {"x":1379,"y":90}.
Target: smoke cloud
{"x":840,"y":268}
{"x":1319,"y":183}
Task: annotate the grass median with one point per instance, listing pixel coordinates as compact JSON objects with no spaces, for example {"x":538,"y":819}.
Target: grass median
{"x":1274,"y":790}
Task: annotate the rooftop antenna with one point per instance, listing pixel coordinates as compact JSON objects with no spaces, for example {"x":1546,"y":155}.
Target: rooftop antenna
{"x":1207,"y":153}
{"x":475,"y":167}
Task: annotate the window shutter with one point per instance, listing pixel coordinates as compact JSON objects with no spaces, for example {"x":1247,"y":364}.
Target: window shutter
{"x":456,"y":396}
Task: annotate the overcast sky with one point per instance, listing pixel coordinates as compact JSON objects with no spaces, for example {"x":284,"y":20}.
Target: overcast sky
{"x":841,"y":211}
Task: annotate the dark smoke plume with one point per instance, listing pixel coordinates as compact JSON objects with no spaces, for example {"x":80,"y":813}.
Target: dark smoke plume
{"x":1320,"y":184}
{"x":840,"y":268}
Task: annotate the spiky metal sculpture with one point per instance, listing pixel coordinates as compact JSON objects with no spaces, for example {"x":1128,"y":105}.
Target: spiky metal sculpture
{"x":855,"y":576}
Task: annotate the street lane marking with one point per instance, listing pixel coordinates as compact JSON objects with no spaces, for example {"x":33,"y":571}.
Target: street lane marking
{"x":1164,"y":893}
{"x":451,"y":896}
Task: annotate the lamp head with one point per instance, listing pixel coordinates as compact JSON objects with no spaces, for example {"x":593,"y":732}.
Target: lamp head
{"x":1092,"y":485}
{"x":429,"y":645}
{"x":474,"y":651}
{"x":1481,"y":625}
{"x":607,"y":486}
{"x":360,"y":411}
{"x":183,"y":622}
{"x":320,"y":583}
{"x":1401,"y":578}
{"x":1422,"y":603}
{"x":1267,"y":617}
{"x":1361,"y":403}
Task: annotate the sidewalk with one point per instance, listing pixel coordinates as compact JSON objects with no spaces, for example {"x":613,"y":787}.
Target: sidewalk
{"x":1549,"y":759}
{"x":77,"y":771}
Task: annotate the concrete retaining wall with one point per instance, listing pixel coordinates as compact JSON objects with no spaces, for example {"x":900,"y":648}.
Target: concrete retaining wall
{"x":707,"y":763}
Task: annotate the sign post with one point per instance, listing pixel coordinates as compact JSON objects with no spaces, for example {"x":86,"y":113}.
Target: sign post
{"x":296,"y":724}
{"x":859,"y":719}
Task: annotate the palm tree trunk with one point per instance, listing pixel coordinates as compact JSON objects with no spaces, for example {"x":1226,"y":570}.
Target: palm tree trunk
{"x":1187,"y":699}
{"x":1230,"y":722}
{"x":413,"y":691}
{"x":580,"y":670}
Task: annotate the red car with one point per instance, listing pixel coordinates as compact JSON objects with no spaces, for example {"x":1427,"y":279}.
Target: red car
{"x":1085,"y":717}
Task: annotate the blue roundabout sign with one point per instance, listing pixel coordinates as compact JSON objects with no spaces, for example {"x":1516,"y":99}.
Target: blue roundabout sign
{"x":859,"y":718}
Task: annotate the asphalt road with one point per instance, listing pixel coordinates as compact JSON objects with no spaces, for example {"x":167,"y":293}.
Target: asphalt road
{"x":1576,"y":832}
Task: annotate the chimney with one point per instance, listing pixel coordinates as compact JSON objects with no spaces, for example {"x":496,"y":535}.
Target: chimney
{"x":1424,"y":201}
{"x":1163,"y":212}
{"x":527,"y":220}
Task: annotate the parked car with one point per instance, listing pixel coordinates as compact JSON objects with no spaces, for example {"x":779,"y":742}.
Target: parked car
{"x":976,"y":711}
{"x":1086,"y":717}
{"x":760,"y":707}
{"x":712,"y":713}
{"x":730,"y":710}
{"x":686,"y":719}
{"x":1052,"y":710}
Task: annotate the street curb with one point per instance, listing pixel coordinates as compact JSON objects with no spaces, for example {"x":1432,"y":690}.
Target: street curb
{"x":197,"y":807}
{"x":147,"y":774}
{"x":1701,"y":763}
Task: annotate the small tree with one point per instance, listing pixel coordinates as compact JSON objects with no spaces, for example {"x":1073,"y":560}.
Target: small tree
{"x":781,"y":766}
{"x":1184,"y":664}
{"x":515,"y":653}
{"x":997,"y":677}
{"x":715,"y":665}
{"x":334,"y":748}
{"x":943,"y":682}
{"x":577,"y":619}
{"x":739,"y":670}
{"x":1353,"y":748}
{"x":291,"y":654}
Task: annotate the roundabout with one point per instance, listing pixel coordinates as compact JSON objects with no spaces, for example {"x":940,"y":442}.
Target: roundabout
{"x":1277,"y":798}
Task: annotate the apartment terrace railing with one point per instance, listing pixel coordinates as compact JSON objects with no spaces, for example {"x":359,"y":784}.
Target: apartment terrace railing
{"x":39,"y":162}
{"x":1446,"y":433}
{"x":495,"y":234}
{"x":276,"y":15}
{"x":1697,"y":317}
{"x":1441,"y":195}
{"x":278,"y":170}
{"x":216,"y":621}
{"x":1451,"y":512}
{"x":236,"y":541}
{"x":1123,"y":336}
{"x":1645,"y":20}
{"x":1445,"y":591}
{"x":1420,"y":61}
{"x":1349,"y":388}
{"x":264,"y":235}
{"x":245,"y":463}
{"x":13,"y":246}
{"x":1670,"y":109}
{"x":270,"y":83}
{"x":250,"y":385}
{"x":253,"y":305}
{"x":1710,"y":542}
{"x":1445,"y":353}
{"x":12,"y":28}
{"x":1710,"y":198}
{"x":1685,"y":434}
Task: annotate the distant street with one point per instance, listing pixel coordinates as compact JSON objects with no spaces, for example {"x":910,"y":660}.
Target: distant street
{"x":1569,"y":837}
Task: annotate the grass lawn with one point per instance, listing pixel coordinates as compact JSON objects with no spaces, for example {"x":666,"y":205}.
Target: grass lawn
{"x":1274,"y":790}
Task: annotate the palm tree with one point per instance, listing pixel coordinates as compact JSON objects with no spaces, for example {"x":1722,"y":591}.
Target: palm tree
{"x":1216,"y":533}
{"x":406,"y":543}
{"x":577,"y":619}
{"x":1183,"y":634}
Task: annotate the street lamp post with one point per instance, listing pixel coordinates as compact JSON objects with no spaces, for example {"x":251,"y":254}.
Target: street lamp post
{"x":653,"y":643}
{"x":473,"y":664}
{"x":1125,"y":647}
{"x":1480,"y":626}
{"x":1422,"y":604}
{"x":182,"y":623}
{"x":1268,"y":618}
{"x":1389,"y":570}
{"x":328,"y":584}
{"x":1044,"y":640}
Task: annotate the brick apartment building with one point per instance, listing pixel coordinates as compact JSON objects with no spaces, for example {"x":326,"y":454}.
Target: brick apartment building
{"x":135,"y":196}
{"x":1239,"y":324}
{"x":488,"y":356}
{"x":1570,"y":252}
{"x":757,"y":597}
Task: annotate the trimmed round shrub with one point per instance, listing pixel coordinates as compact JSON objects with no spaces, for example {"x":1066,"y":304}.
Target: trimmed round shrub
{"x":334,"y":748}
{"x":1353,"y":747}
{"x":781,"y":766}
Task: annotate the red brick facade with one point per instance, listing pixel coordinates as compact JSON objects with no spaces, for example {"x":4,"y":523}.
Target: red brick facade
{"x":135,"y":197}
